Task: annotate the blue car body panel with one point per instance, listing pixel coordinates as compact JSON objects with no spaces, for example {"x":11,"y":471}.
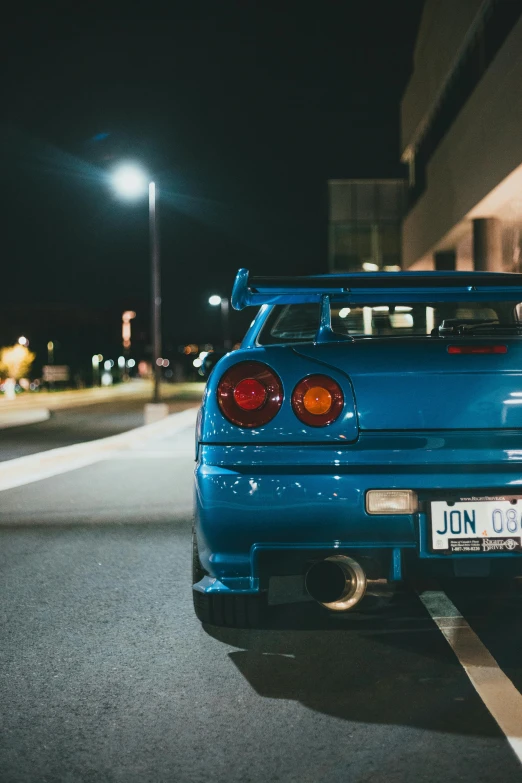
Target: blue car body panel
{"x":269,"y":500}
{"x":382,"y":373}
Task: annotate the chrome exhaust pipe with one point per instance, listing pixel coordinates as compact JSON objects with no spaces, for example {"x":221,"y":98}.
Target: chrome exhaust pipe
{"x":338,"y":583}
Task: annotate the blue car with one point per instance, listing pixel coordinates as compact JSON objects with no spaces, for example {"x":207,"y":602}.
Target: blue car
{"x":369,"y":427}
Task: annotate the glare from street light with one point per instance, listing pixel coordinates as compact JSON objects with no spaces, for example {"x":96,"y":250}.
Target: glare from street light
{"x":214,"y":300}
{"x":130,"y":181}
{"x":23,"y":341}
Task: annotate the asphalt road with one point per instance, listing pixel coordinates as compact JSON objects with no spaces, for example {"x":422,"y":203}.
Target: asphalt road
{"x":106,"y":675}
{"x":85,"y":423}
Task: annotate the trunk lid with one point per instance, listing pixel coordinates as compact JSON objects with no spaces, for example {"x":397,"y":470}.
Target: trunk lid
{"x":416,"y":384}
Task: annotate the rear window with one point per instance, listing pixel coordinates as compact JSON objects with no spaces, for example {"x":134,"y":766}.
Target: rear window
{"x":300,"y":322}
{"x":291,"y":324}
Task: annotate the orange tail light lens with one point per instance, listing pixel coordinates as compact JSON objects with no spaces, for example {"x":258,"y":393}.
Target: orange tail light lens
{"x":317,"y":400}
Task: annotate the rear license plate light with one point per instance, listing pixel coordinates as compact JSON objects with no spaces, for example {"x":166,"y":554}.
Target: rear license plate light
{"x":391,"y":501}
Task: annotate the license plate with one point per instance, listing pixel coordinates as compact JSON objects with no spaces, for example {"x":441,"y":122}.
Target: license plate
{"x":477,"y":525}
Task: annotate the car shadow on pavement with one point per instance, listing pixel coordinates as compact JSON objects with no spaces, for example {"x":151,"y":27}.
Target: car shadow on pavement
{"x":386,"y":664}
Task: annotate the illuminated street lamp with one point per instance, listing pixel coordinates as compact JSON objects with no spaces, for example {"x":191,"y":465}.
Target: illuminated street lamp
{"x":216,"y":300}
{"x":131,"y":182}
{"x":23,"y":341}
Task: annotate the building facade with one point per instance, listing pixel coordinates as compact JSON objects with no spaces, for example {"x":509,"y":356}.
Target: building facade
{"x":461,"y":119}
{"x":365,"y":224}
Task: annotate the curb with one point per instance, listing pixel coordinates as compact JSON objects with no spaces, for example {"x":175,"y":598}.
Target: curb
{"x":35,"y":467}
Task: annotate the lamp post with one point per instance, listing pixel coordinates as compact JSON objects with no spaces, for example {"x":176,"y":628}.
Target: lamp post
{"x":50,"y":360}
{"x":156,"y":290}
{"x":96,"y":359}
{"x":131,"y":182}
{"x":216,"y":300}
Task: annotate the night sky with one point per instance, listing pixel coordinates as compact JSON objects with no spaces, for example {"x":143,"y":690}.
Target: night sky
{"x":240,"y":110}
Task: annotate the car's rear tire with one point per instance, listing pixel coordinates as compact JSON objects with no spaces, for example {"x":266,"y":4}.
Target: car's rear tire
{"x":230,"y":611}
{"x":198,"y":572}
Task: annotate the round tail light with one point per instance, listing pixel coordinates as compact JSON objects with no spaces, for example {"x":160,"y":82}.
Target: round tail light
{"x":317,"y":400}
{"x":249,"y":394}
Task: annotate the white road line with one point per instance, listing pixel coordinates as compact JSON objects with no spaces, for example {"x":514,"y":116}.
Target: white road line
{"x":498,"y":693}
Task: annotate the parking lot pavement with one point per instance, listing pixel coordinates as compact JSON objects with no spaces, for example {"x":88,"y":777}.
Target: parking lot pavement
{"x":106,"y":675}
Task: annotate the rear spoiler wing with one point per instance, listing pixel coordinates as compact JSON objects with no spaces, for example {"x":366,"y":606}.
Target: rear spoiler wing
{"x":377,"y":287}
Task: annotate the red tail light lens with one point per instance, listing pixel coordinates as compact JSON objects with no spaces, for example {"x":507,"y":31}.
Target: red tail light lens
{"x":250,"y":394}
{"x":317,"y":400}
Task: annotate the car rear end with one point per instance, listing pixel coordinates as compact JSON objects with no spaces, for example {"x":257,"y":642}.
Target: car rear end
{"x":367,"y":430}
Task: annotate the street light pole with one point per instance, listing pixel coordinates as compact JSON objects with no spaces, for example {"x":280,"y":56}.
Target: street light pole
{"x":96,"y":359}
{"x":225,"y":322}
{"x":131,"y":182}
{"x":156,"y":291}
{"x":216,"y":300}
{"x":50,"y":352}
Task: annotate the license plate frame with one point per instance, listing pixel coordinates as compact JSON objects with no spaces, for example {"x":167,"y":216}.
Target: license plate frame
{"x":484,"y":540}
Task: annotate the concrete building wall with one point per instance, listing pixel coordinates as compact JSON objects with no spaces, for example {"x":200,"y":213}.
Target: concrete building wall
{"x":444,"y":27}
{"x":475,"y":171}
{"x":483,"y":146}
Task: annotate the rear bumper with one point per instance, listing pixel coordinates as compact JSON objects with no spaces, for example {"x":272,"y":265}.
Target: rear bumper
{"x":266,"y":510}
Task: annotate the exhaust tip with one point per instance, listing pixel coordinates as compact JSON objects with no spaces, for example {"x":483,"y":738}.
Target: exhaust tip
{"x":338,"y":582}
{"x":325,"y":581}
